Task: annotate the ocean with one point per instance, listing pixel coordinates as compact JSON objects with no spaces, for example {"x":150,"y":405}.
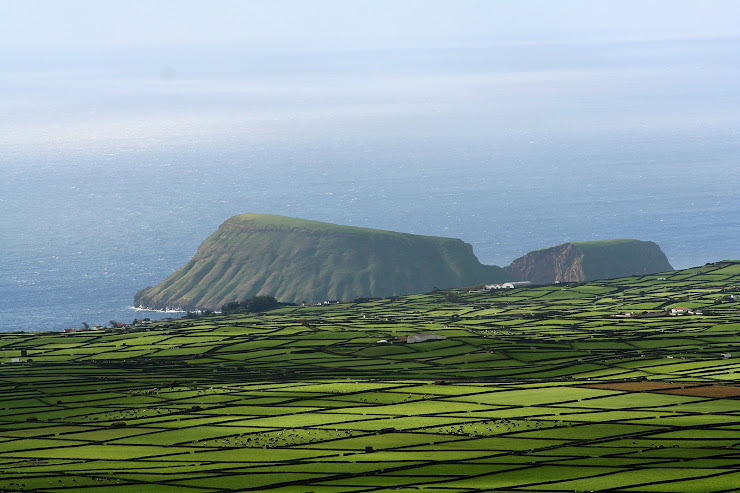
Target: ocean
{"x":113,"y":173}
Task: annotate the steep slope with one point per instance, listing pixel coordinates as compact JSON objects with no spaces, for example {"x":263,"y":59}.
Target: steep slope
{"x":295,"y":260}
{"x":590,"y":260}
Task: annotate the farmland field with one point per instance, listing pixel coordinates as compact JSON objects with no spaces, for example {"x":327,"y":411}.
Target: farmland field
{"x":590,"y":387}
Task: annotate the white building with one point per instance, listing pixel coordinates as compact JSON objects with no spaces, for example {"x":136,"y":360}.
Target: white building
{"x":508,"y":285}
{"x":679,"y":311}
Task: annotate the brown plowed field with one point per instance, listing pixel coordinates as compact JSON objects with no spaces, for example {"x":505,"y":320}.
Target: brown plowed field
{"x":719,"y":391}
{"x":643,"y":386}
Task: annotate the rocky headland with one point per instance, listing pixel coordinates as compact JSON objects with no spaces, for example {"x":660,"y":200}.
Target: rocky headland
{"x":298,"y":260}
{"x":589,"y":260}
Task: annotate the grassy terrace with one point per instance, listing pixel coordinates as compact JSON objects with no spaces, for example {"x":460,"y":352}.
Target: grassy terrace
{"x":536,"y":389}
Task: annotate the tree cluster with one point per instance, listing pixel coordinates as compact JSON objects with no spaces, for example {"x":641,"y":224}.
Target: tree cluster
{"x":254,"y":304}
{"x":199,"y":314}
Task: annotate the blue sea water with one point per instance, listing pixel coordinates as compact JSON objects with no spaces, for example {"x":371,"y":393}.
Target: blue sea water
{"x":110,"y":180}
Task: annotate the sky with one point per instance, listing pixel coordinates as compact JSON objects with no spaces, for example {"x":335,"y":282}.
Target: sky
{"x":75,"y":71}
{"x":362,"y":24}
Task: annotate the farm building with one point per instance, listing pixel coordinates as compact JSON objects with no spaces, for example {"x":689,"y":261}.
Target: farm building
{"x":679,"y":311}
{"x":508,"y":285}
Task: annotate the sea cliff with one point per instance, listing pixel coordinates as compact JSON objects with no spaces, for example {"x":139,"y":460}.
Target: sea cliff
{"x":590,"y":260}
{"x":298,"y":260}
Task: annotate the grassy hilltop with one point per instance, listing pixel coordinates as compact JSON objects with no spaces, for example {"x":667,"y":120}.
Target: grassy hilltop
{"x":296,"y":260}
{"x":558,"y":388}
{"x":590,"y":260}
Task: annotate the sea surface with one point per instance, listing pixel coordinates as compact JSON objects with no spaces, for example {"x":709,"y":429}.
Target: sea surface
{"x":113,"y":169}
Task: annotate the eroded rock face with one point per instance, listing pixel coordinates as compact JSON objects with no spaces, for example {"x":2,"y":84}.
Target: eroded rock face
{"x":297,"y":260}
{"x":587,"y":261}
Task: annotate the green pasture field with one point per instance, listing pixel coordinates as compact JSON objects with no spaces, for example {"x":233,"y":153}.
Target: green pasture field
{"x":543,"y":388}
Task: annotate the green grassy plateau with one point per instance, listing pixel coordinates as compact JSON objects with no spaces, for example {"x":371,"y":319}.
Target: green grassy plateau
{"x":547,"y":388}
{"x":589,"y":260}
{"x":298,"y":260}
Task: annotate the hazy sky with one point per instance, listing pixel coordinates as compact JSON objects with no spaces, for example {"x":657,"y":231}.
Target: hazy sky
{"x":235,"y":67}
{"x":365,"y":24}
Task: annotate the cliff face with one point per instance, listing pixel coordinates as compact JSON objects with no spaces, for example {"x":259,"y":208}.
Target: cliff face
{"x":587,"y":261}
{"x":296,"y":260}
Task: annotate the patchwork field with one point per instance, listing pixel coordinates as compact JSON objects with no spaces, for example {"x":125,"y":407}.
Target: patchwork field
{"x":559,"y":388}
